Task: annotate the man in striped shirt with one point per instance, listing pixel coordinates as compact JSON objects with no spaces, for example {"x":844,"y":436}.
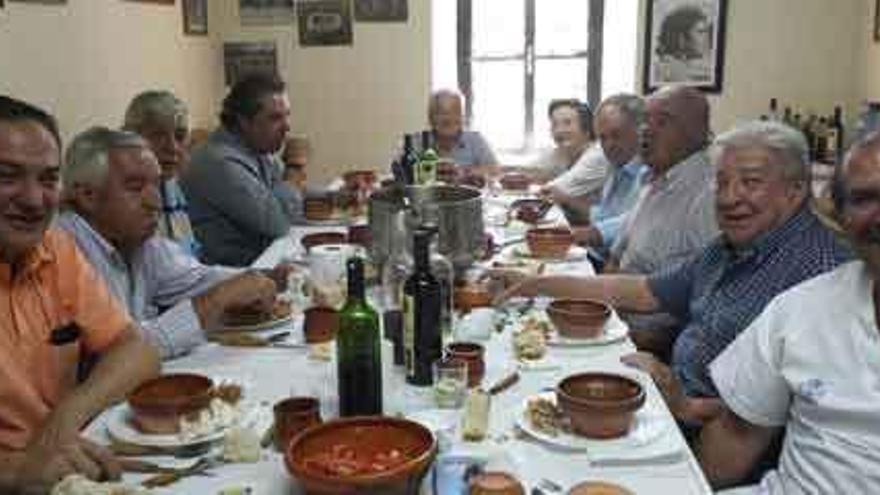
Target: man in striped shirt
{"x":111,"y":181}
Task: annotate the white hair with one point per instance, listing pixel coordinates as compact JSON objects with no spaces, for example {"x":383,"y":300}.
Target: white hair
{"x":785,"y":141}
{"x":156,"y":108}
{"x":87,"y":158}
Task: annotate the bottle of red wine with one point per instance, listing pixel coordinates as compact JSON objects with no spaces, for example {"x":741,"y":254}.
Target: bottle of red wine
{"x":358,"y":351}
{"x":422,"y":301}
{"x":409,"y":160}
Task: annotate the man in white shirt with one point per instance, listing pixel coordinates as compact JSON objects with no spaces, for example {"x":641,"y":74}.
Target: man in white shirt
{"x":810,"y":364}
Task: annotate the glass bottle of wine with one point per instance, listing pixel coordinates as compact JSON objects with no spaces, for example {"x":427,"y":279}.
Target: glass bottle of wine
{"x":358,"y":351}
{"x":422,"y":301}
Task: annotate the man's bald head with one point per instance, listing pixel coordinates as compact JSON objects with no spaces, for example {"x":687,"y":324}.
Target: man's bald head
{"x":677,"y":125}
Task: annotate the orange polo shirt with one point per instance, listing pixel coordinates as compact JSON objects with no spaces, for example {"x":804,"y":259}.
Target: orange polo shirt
{"x":53,"y":287}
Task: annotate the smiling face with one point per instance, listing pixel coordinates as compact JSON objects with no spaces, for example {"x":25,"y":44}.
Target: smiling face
{"x":753,"y":196}
{"x":447,"y":119}
{"x":29,"y":186}
{"x":566,"y":130}
{"x":618,"y":134}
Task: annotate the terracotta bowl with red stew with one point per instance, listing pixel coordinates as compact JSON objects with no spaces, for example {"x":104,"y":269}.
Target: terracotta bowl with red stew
{"x":549,"y":242}
{"x":515,"y":181}
{"x":472,"y":180}
{"x":530,"y":210}
{"x":471,"y":295}
{"x":309,"y":241}
{"x":578,"y":318}
{"x":362,"y":455}
{"x":600,"y":405}
{"x":319,"y":207}
{"x":158,"y":404}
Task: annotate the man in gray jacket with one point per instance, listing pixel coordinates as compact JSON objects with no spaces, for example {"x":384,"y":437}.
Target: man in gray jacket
{"x":238,"y":203}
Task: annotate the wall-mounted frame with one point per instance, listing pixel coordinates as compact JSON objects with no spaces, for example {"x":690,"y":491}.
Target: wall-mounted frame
{"x":684,"y":44}
{"x":380,"y":10}
{"x":324,"y":22}
{"x":877,"y":21}
{"x":241,"y":59}
{"x":40,"y":1}
{"x":195,"y":17}
{"x":266,"y":12}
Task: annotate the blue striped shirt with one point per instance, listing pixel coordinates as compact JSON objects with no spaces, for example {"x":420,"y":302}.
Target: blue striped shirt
{"x":719,"y":291}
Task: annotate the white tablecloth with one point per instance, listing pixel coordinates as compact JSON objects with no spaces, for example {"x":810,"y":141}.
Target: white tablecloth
{"x":270,"y":374}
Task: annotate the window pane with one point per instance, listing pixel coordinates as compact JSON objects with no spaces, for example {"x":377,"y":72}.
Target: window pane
{"x":556,"y":78}
{"x":498,"y":105}
{"x":498,"y":27}
{"x":561,"y":26}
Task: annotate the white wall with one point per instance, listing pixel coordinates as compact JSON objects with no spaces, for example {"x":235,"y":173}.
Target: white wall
{"x":352,"y":101}
{"x":85,"y":60}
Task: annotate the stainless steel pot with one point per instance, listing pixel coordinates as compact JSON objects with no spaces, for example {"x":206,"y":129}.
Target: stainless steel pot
{"x":456,"y":211}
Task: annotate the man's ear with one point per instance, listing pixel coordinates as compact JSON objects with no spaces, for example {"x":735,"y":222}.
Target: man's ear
{"x":83,"y":197}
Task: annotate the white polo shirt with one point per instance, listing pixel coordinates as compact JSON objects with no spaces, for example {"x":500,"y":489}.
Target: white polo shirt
{"x":811,"y":362}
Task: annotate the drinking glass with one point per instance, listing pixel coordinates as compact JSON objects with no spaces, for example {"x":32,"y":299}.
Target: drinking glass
{"x":450,"y":383}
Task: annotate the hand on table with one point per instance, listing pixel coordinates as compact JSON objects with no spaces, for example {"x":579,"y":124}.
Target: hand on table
{"x":279,"y":274}
{"x":587,"y":235}
{"x":250,"y":291}
{"x":508,"y":283}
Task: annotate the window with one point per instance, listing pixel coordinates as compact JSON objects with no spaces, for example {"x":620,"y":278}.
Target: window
{"x":512,"y":57}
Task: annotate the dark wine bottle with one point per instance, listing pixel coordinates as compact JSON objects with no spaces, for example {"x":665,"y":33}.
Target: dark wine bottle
{"x":358,"y":352}
{"x":422,"y":300}
{"x":410,"y":159}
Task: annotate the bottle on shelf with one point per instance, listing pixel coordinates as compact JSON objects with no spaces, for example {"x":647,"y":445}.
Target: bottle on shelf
{"x":773,"y":114}
{"x":409,"y":159}
{"x":358,"y":350}
{"x":428,"y":159}
{"x":422,"y":302}
{"x":786,"y":116}
{"x":820,"y":138}
{"x":834,"y":144}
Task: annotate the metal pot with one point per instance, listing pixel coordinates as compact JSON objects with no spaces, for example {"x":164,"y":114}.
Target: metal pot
{"x":456,"y":211}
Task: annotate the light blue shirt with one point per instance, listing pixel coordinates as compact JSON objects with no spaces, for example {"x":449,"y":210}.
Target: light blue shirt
{"x":619,"y":194}
{"x":158,"y":276}
{"x":472,"y":149}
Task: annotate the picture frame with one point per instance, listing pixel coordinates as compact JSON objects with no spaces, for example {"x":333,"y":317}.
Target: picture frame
{"x":53,"y":2}
{"x":876,"y":21}
{"x":243,"y":58}
{"x":381,"y":10}
{"x":267,"y":12}
{"x":684,"y":44}
{"x":324,"y":23}
{"x":195,"y":17}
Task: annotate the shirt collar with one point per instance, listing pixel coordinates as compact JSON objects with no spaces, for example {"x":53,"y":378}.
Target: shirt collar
{"x":802,"y":219}
{"x":681,"y":171}
{"x":32,"y":261}
{"x":82,"y":229}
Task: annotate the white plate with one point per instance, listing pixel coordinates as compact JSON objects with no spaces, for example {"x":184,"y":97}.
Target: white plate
{"x":575,"y":253}
{"x":615,"y":331}
{"x":119,"y":427}
{"x":646,"y":429}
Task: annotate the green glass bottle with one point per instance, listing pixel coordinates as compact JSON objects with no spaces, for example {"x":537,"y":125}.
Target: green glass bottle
{"x":428,"y":160}
{"x":358,"y":351}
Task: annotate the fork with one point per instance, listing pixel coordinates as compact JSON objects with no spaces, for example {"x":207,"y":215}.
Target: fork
{"x":172,"y":476}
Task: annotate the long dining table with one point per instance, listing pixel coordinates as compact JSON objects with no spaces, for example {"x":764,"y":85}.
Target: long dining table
{"x":659,"y":462}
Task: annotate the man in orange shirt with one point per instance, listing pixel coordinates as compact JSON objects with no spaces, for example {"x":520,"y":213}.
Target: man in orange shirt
{"x":54,"y":311}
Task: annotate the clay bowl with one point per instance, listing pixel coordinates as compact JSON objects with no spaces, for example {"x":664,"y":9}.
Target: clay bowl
{"x":366,"y":438}
{"x":318,"y":207}
{"x":473,"y":354}
{"x":469,"y":296}
{"x":599,"y":405}
{"x":158,"y":405}
{"x":360,"y":234}
{"x":549,"y":242}
{"x":293,"y":415}
{"x":448,"y":171}
{"x":359,"y":180}
{"x":514,"y":181}
{"x":472,"y":180}
{"x":320,"y":324}
{"x":579,"y":318}
{"x":495,"y":483}
{"x":530,"y":210}
{"x":598,"y":488}
{"x":309,"y":241}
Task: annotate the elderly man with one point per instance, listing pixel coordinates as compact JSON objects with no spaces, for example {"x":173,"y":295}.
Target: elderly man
{"x":770,"y":241}
{"x":674,"y":218}
{"x":617,"y":122}
{"x":465,"y":148}
{"x":163,"y":120}
{"x":54,"y":312}
{"x":238,"y":203}
{"x":809,"y":363}
{"x":111,"y":182}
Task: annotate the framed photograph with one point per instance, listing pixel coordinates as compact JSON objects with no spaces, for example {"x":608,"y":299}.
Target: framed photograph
{"x":195,"y":17}
{"x":684,"y":44}
{"x":380,"y":10}
{"x":325,"y":23}
{"x":266,"y":12}
{"x":41,"y":1}
{"x":241,"y":59}
{"x":876,"y":21}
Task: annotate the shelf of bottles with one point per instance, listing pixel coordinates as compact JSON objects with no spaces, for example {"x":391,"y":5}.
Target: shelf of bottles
{"x":824,"y":133}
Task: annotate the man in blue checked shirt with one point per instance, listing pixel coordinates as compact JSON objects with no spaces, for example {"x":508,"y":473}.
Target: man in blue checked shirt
{"x":770,"y":240}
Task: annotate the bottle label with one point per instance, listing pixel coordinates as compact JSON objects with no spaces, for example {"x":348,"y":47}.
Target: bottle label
{"x":409,"y":334}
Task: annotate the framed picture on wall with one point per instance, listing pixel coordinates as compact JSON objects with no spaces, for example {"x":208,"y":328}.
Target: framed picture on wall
{"x":195,"y":17}
{"x":380,"y":10}
{"x":241,"y":59}
{"x":684,"y":44}
{"x":266,"y":12}
{"x":40,"y":1}
{"x":324,"y":22}
{"x":876,"y":21}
